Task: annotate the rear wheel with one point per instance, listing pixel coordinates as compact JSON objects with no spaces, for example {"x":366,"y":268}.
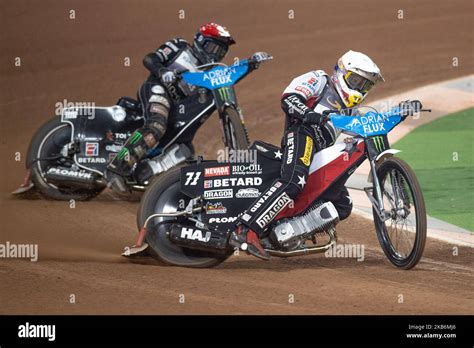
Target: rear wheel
{"x":164,"y":196}
{"x":45,"y":151}
{"x":403,"y":235}
{"x":235,"y":133}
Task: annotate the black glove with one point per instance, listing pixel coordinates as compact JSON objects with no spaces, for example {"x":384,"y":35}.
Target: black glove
{"x":257,"y":58}
{"x":314,"y":118}
{"x":410,"y":107}
{"x":168,"y":77}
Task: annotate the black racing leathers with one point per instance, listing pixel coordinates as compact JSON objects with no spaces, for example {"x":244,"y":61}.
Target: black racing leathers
{"x":156,"y":99}
{"x":305,"y":133}
{"x":297,"y":151}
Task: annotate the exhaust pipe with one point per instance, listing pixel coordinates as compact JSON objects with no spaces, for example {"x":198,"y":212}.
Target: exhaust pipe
{"x":307,"y":251}
{"x":72,"y":178}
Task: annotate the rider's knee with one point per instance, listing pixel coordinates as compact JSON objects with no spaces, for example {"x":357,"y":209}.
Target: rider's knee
{"x":152,"y":132}
{"x":295,"y":178}
{"x":293,"y":186}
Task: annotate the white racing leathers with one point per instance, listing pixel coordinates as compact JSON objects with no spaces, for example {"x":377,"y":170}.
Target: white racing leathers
{"x":309,"y":92}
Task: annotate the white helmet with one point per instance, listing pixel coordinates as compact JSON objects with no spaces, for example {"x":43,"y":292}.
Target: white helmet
{"x":354,"y":75}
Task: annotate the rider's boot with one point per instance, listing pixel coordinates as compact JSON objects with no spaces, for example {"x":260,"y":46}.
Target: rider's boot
{"x":117,"y":171}
{"x":247,"y":240}
{"x":116,"y":181}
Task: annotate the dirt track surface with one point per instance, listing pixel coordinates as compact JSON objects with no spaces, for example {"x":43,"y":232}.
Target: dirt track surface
{"x":82,"y":60}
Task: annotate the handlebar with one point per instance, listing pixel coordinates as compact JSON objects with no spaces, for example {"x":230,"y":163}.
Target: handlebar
{"x":411,"y":107}
{"x":250,"y":60}
{"x":406,"y":108}
{"x":328,"y":112}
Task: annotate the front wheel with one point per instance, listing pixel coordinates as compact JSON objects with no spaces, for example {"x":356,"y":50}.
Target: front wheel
{"x":403,"y":235}
{"x":164,"y":196}
{"x":235,"y":133}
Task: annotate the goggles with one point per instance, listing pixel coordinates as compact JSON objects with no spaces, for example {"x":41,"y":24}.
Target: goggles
{"x":215,"y":48}
{"x":357,"y":82}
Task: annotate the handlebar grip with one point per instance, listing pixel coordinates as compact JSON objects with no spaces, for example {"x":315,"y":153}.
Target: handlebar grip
{"x":327,"y":112}
{"x":253,"y":60}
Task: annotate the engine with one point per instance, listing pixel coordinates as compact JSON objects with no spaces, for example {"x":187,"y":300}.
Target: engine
{"x":291,"y":233}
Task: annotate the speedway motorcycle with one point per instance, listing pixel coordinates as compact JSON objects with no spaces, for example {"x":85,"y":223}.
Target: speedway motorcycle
{"x":68,"y":155}
{"x":188,"y":214}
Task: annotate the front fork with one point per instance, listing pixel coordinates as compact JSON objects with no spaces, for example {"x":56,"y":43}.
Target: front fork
{"x":225,"y":97}
{"x":377,"y":201}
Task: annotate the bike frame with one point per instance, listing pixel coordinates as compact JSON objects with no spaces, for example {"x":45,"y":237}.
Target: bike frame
{"x":220,"y":80}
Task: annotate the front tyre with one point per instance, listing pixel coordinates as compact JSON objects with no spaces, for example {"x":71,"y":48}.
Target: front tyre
{"x":164,"y":196}
{"x":235,"y":133}
{"x":403,"y":236}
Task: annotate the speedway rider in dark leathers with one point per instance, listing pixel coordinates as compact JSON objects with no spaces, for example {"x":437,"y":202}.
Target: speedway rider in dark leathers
{"x":306,"y":132}
{"x":162,"y":88}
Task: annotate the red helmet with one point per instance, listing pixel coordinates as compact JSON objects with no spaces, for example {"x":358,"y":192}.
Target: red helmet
{"x":213,"y":41}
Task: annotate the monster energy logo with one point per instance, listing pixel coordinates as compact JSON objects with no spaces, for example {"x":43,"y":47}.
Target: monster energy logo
{"x":378,"y":143}
{"x":135,"y":137}
{"x":225,"y":93}
{"x":122,"y":153}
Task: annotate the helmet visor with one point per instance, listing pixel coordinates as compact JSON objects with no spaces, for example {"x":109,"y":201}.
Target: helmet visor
{"x":215,"y":49}
{"x":358,"y":82}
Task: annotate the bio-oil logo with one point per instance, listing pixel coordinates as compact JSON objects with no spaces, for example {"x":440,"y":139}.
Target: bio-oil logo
{"x":28,"y":330}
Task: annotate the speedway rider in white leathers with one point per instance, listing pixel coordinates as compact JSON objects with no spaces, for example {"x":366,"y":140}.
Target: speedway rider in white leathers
{"x":306,"y":132}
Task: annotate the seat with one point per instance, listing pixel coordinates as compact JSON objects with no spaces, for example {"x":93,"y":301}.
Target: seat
{"x":130,"y":104}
